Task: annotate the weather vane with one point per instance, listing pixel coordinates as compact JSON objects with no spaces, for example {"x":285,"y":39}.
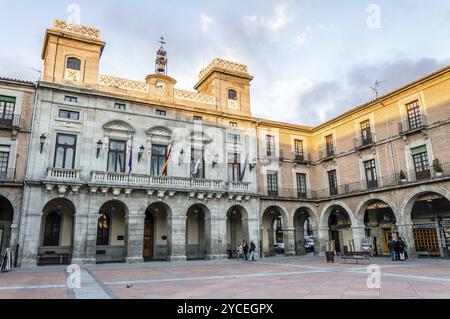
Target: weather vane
{"x":161,"y":40}
{"x":375,"y":88}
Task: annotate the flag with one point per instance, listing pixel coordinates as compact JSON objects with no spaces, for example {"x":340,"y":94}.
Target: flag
{"x":197,"y":164}
{"x":241,"y":178}
{"x":166,"y":164}
{"x":130,"y":162}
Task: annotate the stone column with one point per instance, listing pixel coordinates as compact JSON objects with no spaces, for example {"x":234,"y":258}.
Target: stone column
{"x":31,"y":239}
{"x":289,"y":241}
{"x":135,"y":238}
{"x":176,"y":238}
{"x":218,"y":238}
{"x":317,"y":247}
{"x":80,"y":233}
{"x":358,"y":236}
{"x":323,"y":236}
{"x":406,"y":231}
{"x":91,"y":236}
{"x":299,"y":236}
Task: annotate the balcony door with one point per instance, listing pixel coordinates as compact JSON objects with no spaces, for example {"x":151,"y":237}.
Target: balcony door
{"x":421,"y":163}
{"x":371,"y":174}
{"x":7,"y":106}
{"x":414,"y":116}
{"x":272,"y":184}
{"x":332,"y":182}
{"x":329,"y":145}
{"x":65,"y":151}
{"x":4,"y":159}
{"x":117,"y":156}
{"x":366,"y":134}
{"x":158,"y":160}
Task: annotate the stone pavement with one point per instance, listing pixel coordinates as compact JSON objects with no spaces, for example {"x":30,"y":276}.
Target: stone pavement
{"x":269,"y":278}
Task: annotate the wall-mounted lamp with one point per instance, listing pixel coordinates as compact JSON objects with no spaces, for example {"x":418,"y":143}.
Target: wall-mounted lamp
{"x":252,"y":164}
{"x":141,"y":152}
{"x":42,"y":140}
{"x":181,"y":157}
{"x":99,"y":147}
{"x":215,"y":161}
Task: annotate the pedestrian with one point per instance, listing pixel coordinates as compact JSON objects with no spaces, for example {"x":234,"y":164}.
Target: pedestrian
{"x":401,"y":249}
{"x":329,"y":251}
{"x":252,"y":251}
{"x":245,"y":250}
{"x":406,"y":246}
{"x":239,"y":251}
{"x":397,"y":250}
{"x":391,"y":246}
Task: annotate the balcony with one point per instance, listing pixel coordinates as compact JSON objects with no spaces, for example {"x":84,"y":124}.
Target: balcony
{"x":63,"y":175}
{"x":301,"y":157}
{"x":327,"y":153}
{"x":363,"y":142}
{"x":412,"y":125}
{"x":238,"y":187}
{"x":7,"y":174}
{"x":138,"y":180}
{"x":9,"y":123}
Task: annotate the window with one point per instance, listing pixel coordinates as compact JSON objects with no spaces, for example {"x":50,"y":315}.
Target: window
{"x":232,"y":95}
{"x":332,"y":182}
{"x":198,"y":118}
{"x":158,"y":160}
{"x":73,"y":64}
{"x":161,"y":113}
{"x":70,"y":99}
{"x":117,"y":156}
{"x":233,"y":124}
{"x":233,"y":137}
{"x":301,"y":185}
{"x":70,"y":115}
{"x":232,"y":99}
{"x":197,"y":163}
{"x":329,"y":145}
{"x":270,"y":145}
{"x":414,"y":117}
{"x":421,"y":163}
{"x":366,"y":135}
{"x":371,"y":174}
{"x":52,"y":229}
{"x":272,"y":184}
{"x":65,"y":151}
{"x":120,"y":106}
{"x":4,"y":159}
{"x":103,"y":227}
{"x":7,"y":106}
{"x":234,"y":167}
{"x":298,"y":149}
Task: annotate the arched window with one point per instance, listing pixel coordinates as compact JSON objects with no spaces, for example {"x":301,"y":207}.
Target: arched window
{"x":73,"y":64}
{"x":232,"y":95}
{"x":103,"y":227}
{"x":52,"y":229}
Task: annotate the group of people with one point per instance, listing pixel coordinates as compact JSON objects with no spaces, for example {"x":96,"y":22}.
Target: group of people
{"x":246,"y":252}
{"x":397,"y":249}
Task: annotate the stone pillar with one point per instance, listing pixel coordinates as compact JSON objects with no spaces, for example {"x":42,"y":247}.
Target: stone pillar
{"x":289,"y":241}
{"x":323,"y":236}
{"x":14,"y":240}
{"x":299,"y":236}
{"x":80,"y":233}
{"x":406,"y":231}
{"x":176,"y":238}
{"x":31,"y":239}
{"x":358,"y":236}
{"x":135,"y":238}
{"x":218,"y":240}
{"x":317,"y":246}
{"x":91,"y":236}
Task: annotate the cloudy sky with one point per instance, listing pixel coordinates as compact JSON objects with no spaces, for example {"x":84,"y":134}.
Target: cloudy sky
{"x":312,"y":59}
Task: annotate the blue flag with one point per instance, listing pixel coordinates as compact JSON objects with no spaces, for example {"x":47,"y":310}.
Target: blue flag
{"x":241,"y":178}
{"x":130,"y":162}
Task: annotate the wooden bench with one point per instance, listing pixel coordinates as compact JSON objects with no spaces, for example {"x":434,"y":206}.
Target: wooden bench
{"x":357,"y":255}
{"x":54,"y":259}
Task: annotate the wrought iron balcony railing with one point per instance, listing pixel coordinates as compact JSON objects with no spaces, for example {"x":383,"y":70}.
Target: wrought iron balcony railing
{"x":327,"y":153}
{"x":7,"y":174}
{"x":10,"y":121}
{"x":412,"y":125}
{"x":364,"y":141}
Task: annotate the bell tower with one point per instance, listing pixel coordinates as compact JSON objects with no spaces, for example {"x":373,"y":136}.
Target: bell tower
{"x":161,"y":59}
{"x":71,"y":54}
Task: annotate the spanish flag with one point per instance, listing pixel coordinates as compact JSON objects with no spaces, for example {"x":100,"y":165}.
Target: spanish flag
{"x":166,"y":164}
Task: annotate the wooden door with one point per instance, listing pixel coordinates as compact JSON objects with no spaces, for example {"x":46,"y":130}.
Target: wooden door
{"x":385,"y":236}
{"x":148,"y":237}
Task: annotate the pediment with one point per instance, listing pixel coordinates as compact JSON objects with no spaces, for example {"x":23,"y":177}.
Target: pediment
{"x":160,"y":131}
{"x":119,"y":126}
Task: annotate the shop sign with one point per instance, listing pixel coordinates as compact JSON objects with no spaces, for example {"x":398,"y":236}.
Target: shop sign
{"x":424,"y":226}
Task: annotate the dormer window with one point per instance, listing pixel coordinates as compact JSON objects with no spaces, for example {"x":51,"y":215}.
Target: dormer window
{"x":73,"y":69}
{"x":232,"y":99}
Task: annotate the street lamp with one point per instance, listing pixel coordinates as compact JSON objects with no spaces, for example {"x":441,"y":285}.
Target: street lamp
{"x":42,"y":140}
{"x":99,"y":147}
{"x":141,"y":152}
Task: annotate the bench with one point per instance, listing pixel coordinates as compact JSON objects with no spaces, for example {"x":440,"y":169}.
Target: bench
{"x":357,"y":255}
{"x":54,"y":259}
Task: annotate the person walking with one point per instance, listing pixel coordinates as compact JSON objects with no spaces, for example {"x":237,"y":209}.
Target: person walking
{"x":391,"y":246}
{"x":401,"y":249}
{"x":406,"y":251}
{"x":397,"y":250}
{"x":239,"y":251}
{"x":245,"y":250}
{"x":252,"y":251}
{"x":329,"y":251}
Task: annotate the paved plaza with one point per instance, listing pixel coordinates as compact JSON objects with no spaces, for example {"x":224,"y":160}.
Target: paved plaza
{"x":269,"y":278}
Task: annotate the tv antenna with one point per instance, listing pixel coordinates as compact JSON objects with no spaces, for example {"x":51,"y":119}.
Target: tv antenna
{"x":375,"y":88}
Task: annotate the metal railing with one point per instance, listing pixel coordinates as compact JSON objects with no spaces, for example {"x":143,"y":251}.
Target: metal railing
{"x":327,"y":153}
{"x":62,"y":174}
{"x":412,"y":125}
{"x":301,"y":157}
{"x":364,"y":141}
{"x":7,"y":174}
{"x":381,"y":182}
{"x":10,"y":121}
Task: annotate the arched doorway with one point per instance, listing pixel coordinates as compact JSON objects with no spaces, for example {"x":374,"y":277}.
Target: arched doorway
{"x":111,"y":233}
{"x":340,"y":229}
{"x":303,"y":236}
{"x":430,"y":216}
{"x":56,"y":240}
{"x":6,"y":218}
{"x":380,"y":226}
{"x":156,"y":232}
{"x":273,"y":221}
{"x":197,"y":232}
{"x":237,"y":229}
